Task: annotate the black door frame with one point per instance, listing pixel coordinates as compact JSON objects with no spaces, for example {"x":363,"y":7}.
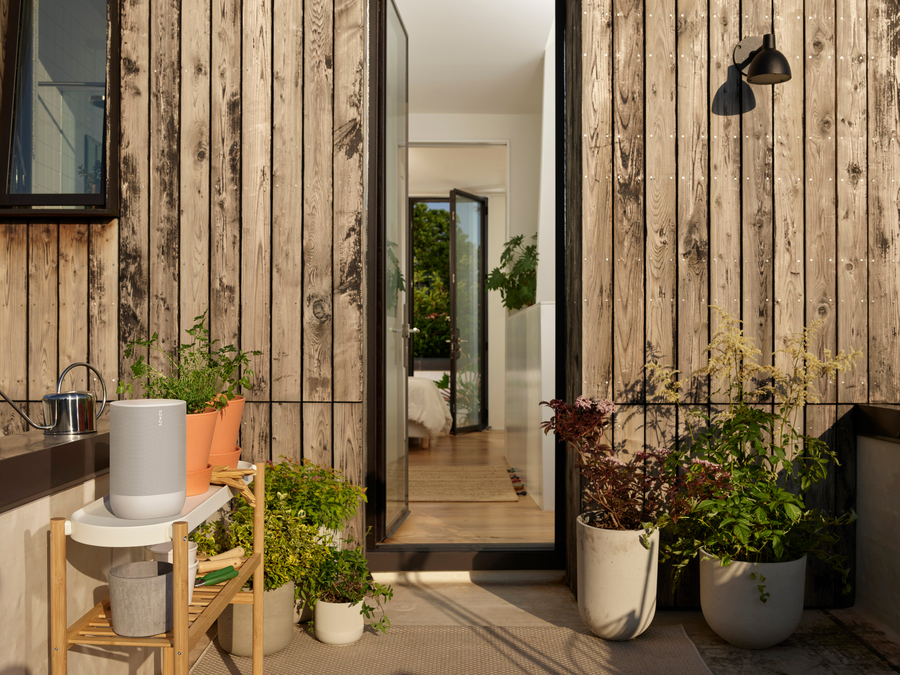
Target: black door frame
{"x":460,"y":557}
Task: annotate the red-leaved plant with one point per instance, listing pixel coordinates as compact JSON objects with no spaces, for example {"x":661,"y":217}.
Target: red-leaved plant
{"x":643,"y":493}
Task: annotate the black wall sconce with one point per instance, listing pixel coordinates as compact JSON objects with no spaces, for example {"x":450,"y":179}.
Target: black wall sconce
{"x":757,"y":58}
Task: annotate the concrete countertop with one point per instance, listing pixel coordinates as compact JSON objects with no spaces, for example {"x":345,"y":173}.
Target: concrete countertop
{"x":34,"y":465}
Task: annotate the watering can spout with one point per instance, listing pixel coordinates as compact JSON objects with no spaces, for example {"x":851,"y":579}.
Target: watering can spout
{"x":45,"y":427}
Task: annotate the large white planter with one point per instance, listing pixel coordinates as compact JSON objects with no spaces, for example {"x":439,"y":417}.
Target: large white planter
{"x":337,"y":623}
{"x":616,"y":581}
{"x":731,"y":606}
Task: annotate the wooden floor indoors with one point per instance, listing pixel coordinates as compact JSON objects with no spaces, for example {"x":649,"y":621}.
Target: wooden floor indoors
{"x":477,"y":522}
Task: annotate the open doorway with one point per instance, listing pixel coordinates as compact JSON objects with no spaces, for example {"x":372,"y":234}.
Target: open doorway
{"x":480,"y":142}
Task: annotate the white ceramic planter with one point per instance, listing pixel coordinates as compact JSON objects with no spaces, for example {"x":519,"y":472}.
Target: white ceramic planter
{"x":616,"y":581}
{"x":338,"y":623}
{"x":732,"y":608}
{"x":236,"y":623}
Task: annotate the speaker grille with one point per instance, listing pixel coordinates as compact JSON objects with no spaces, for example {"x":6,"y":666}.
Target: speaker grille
{"x":147,"y":453}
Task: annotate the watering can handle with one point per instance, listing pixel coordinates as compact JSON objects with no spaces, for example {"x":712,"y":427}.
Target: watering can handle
{"x":99,"y":376}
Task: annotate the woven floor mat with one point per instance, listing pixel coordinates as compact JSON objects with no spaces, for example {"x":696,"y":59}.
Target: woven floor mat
{"x":460,"y":484}
{"x":471,"y":650}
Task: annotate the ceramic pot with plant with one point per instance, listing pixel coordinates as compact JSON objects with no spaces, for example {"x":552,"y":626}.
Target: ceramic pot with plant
{"x":618,"y":536}
{"x":754,"y":532}
{"x":343,"y":589}
{"x":293,"y":548}
{"x":188,"y":376}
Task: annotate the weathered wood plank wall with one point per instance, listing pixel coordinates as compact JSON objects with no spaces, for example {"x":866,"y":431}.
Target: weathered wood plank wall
{"x":777,"y":203}
{"x":234,"y":118}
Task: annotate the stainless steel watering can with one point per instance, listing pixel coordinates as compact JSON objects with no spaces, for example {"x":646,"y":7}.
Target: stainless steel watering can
{"x":67,"y":412}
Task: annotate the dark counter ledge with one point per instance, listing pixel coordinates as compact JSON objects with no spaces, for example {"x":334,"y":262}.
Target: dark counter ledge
{"x":877,"y":421}
{"x":33,"y":465}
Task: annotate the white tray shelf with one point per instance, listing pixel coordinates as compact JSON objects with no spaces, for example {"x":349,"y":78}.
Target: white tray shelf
{"x":95,"y":524}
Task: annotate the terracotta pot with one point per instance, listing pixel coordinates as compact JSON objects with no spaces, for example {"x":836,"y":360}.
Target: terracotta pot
{"x":228,"y":426}
{"x":200,"y":429}
{"x":198,"y":481}
{"x":227,"y":458}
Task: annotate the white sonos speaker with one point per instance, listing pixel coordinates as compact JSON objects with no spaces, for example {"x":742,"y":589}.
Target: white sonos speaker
{"x":147,"y":458}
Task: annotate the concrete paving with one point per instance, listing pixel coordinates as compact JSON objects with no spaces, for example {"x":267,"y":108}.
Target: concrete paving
{"x":826,"y":643}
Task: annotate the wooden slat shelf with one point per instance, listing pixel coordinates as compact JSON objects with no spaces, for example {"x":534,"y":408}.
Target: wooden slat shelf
{"x":190,"y":621}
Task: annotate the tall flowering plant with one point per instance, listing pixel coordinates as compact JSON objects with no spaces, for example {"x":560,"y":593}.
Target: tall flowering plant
{"x":644,"y":492}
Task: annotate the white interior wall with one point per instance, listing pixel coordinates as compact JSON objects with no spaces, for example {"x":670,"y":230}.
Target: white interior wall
{"x":546,"y":287}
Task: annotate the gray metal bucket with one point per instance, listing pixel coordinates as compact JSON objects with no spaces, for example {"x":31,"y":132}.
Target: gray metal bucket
{"x":140,"y":598}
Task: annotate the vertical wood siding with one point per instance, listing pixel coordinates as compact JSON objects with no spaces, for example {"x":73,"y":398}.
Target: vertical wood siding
{"x":777,"y":203}
{"x":235,"y":116}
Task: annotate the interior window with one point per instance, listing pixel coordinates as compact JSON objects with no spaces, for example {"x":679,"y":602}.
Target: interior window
{"x":54,"y":145}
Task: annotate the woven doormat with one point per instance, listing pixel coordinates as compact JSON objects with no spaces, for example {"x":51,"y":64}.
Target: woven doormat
{"x":460,"y":484}
{"x":473,"y":650}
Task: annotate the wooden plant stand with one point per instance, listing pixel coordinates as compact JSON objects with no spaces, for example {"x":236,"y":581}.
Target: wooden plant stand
{"x":96,"y":526}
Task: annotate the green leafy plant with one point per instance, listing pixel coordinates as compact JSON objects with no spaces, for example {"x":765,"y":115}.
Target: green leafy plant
{"x":200,"y":374}
{"x":343,"y":576}
{"x":431,"y":315}
{"x":761,"y":515}
{"x":516,"y":278}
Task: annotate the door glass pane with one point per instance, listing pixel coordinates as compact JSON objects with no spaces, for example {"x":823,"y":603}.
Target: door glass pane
{"x":58,"y":127}
{"x":468,"y":268}
{"x":396,"y":282}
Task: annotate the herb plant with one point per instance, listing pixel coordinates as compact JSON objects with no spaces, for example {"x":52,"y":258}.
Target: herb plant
{"x":516,"y":278}
{"x":761,"y":515}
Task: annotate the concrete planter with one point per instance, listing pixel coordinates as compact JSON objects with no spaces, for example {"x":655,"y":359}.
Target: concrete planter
{"x":338,"y":623}
{"x":140,"y":598}
{"x":729,"y":597}
{"x":616,"y":581}
{"x":236,"y":623}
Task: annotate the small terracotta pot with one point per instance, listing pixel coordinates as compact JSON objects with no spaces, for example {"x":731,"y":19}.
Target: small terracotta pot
{"x":228,"y":458}
{"x":200,"y":430}
{"x":198,"y":481}
{"x":228,"y":426}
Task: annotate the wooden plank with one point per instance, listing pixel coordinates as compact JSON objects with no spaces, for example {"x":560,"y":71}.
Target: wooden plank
{"x":165,"y":235}
{"x":662,"y":245}
{"x":756,"y":198}
{"x":692,"y":180}
{"x":349,"y":197}
{"x":350,"y":459}
{"x":256,"y":436}
{"x":13,"y":294}
{"x":597,"y":200}
{"x":287,"y":205}
{"x":660,"y":430}
{"x":884,"y":219}
{"x":287,"y":432}
{"x":821,"y":581}
{"x":628,"y":431}
{"x":104,"y":311}
{"x":43,"y":365}
{"x":73,"y":301}
{"x":852,"y":120}
{"x":317,"y":433}
{"x":195,"y":160}
{"x":256,"y":189}
{"x":134,"y":177}
{"x":821,"y":246}
{"x":845,"y":497}
{"x":628,"y":209}
{"x":789,"y":185}
{"x":317,"y":229}
{"x":724,"y":162}
{"x":12,"y":422}
{"x":225,"y":172}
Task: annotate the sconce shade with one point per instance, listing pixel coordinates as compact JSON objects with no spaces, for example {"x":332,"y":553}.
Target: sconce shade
{"x":769,"y":66}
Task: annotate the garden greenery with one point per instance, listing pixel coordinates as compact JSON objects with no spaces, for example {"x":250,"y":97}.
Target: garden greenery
{"x":761,"y":515}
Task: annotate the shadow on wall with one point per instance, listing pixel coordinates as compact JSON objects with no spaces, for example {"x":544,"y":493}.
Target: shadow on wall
{"x":734,"y":97}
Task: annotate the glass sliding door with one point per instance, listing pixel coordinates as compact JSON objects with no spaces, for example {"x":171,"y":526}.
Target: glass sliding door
{"x":397,"y":278}
{"x":468,"y":338}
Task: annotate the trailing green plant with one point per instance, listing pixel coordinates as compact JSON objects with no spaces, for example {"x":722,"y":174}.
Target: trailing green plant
{"x":343,"y":576}
{"x":761,"y":515}
{"x":516,"y":278}
{"x":199,"y":373}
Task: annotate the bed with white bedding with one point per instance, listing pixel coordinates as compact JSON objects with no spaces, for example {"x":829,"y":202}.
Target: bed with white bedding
{"x":428,"y":412}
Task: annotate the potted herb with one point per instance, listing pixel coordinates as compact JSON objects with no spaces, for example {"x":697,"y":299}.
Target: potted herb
{"x":755,"y":533}
{"x":293,"y":550}
{"x":516,"y":278}
{"x":341,"y":589}
{"x":618,"y":534}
